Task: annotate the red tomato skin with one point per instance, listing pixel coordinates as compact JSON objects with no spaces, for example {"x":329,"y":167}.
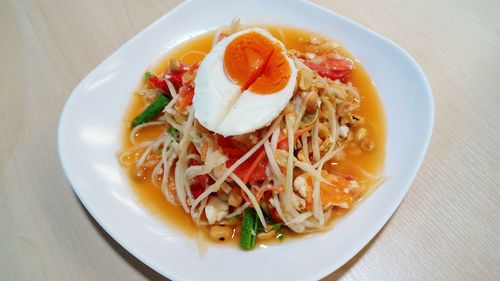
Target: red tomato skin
{"x":332,"y":66}
{"x":233,"y":152}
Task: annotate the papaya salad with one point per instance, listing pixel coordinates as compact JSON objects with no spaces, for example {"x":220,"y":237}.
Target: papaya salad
{"x":254,"y":139}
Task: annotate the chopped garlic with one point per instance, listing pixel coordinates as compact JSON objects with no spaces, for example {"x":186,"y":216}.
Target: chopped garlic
{"x":344,"y":131}
{"x":300,"y":185}
{"x":216,"y":210}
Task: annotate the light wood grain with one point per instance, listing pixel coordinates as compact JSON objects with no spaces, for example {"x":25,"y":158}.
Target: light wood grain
{"x":447,"y":228}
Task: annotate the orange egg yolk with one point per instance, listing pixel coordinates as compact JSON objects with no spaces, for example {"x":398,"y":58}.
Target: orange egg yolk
{"x":256,"y":63}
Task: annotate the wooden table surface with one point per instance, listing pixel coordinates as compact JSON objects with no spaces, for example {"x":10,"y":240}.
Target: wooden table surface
{"x":447,"y":228}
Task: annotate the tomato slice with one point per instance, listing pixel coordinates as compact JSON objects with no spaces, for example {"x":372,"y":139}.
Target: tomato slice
{"x":235,"y":152}
{"x":185,"y":90}
{"x":158,"y":83}
{"x":197,"y":190}
{"x":175,"y":76}
{"x":332,"y":66}
{"x":185,"y":99}
{"x":200,"y":182}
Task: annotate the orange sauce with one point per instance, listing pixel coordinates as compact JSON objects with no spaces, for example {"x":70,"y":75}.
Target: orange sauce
{"x":193,"y":51}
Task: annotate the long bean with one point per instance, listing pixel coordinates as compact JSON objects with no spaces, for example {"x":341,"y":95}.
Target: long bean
{"x":249,"y":229}
{"x":151,"y":111}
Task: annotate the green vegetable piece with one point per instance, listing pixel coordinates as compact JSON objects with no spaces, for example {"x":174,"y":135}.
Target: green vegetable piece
{"x":280,"y":236}
{"x":277,"y":226}
{"x":151,"y":111}
{"x":148,"y":74}
{"x":249,"y":229}
{"x":160,"y":151}
{"x":173,"y":132}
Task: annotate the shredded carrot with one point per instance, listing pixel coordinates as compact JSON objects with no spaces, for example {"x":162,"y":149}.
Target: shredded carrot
{"x":282,"y":142}
{"x":262,"y":154}
{"x":244,"y":195}
{"x":297,"y":134}
{"x":254,"y":166}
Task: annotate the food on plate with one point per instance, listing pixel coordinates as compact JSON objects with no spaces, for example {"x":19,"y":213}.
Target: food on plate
{"x":255,"y":134}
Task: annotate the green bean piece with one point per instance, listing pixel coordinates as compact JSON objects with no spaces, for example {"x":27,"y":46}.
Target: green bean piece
{"x":173,"y":132}
{"x":249,"y":229}
{"x":151,"y":111}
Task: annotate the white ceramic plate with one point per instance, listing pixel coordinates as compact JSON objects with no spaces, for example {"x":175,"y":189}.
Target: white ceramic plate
{"x":91,"y":124}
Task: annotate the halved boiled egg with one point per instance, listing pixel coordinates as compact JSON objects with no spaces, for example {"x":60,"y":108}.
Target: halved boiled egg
{"x":243,"y":83}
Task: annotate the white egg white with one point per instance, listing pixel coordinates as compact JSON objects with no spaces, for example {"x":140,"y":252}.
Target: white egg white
{"x":213,"y":90}
{"x":218,"y":102}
